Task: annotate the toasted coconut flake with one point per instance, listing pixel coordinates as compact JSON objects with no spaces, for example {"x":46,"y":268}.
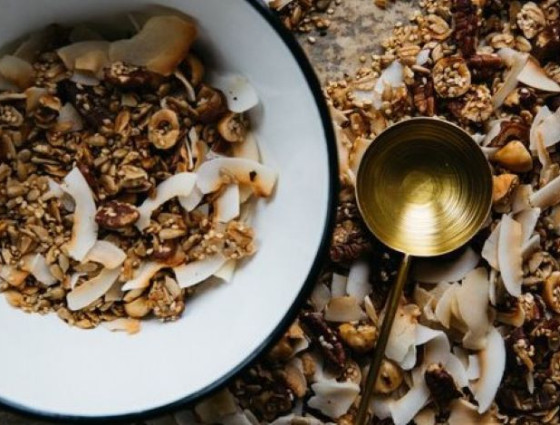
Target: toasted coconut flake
{"x":473,"y":306}
{"x":495,"y":127}
{"x":392,"y":76}
{"x":84,"y":78}
{"x":91,"y":290}
{"x":531,"y":246}
{"x":13,"y":276}
{"x":180,"y":184}
{"x":191,"y":274}
{"x":38,"y":267}
{"x":516,"y":62}
{"x":130,"y":326}
{"x":240,"y":94}
{"x":521,"y":197}
{"x":16,"y":71}
{"x":143,"y":275}
{"x":106,"y":253}
{"x":84,"y":230}
{"x":333,"y":398}
{"x":344,"y":309}
{"x":342,"y":143}
{"x":358,"y":284}
{"x":227,"y":271}
{"x":213,"y":409}
{"x":359,"y":148}
{"x":74,"y":279}
{"x":213,"y":174}
{"x":464,"y":413}
{"x":160,"y":46}
{"x":33,"y":94}
{"x":69,"y":119}
{"x":510,"y":255}
{"x":457,"y":370}
{"x":528,"y":220}
{"x":115,"y":292}
{"x":407,"y":407}
{"x":546,"y":196}
{"x":248,"y":149}
{"x":191,"y":95}
{"x":320,"y":296}
{"x":443,"y":309}
{"x":435,"y":271}
{"x":534,"y":76}
{"x":490,"y":248}
{"x":473,"y":369}
{"x":402,"y":336}
{"x":492,"y":365}
{"x":548,"y":130}
{"x":338,"y":285}
{"x":89,"y":56}
{"x":534,"y":133}
{"x":226,"y":206}
{"x":191,"y":201}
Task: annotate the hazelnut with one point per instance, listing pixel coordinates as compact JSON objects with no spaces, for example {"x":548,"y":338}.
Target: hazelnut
{"x":515,"y":157}
{"x":359,"y":338}
{"x":233,"y":127}
{"x":389,"y":379}
{"x":211,"y":104}
{"x":138,"y":308}
{"x":503,"y":187}
{"x":163,"y":129}
{"x":551,"y":292}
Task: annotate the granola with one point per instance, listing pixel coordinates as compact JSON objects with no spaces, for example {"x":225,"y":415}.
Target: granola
{"x":124,"y":175}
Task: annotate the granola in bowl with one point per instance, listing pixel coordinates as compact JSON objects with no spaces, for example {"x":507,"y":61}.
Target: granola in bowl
{"x":127,"y":178}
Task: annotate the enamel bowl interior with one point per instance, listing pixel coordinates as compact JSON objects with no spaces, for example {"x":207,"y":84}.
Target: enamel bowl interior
{"x":49,"y":368}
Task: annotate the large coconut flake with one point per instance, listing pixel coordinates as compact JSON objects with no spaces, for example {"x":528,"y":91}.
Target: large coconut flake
{"x":227,"y":271}
{"x":516,"y":62}
{"x":492,"y":365}
{"x":473,"y":306}
{"x":358,"y":284}
{"x":191,"y":201}
{"x":392,"y":76}
{"x":344,"y":309}
{"x":180,"y":184}
{"x":333,"y":398}
{"x":338,"y":285}
{"x":193,"y":273}
{"x":248,"y":149}
{"x":465,"y":413}
{"x":443,"y":308}
{"x":38,"y":267}
{"x":226,"y":206}
{"x":90,"y":56}
{"x":490,"y":248}
{"x":402,"y":336}
{"x":528,"y":220}
{"x":106,"y":253}
{"x":143,"y":275}
{"x":548,"y":130}
{"x":213,"y":174}
{"x":531,"y":246}
{"x":547,"y":196}
{"x":84,"y":230}
{"x":320,"y":296}
{"x":240,"y":94}
{"x":534,"y":132}
{"x":123,"y":324}
{"x":407,"y":407}
{"x":89,"y":291}
{"x":534,"y":76}
{"x":510,"y":255}
{"x":438,"y":270}
{"x":17,"y":71}
{"x":521,"y":197}
{"x":160,"y":46}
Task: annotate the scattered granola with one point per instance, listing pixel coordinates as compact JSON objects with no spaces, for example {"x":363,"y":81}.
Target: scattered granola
{"x":122,"y":173}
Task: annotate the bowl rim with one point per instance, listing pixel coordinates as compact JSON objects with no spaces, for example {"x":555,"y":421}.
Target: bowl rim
{"x":315,"y":87}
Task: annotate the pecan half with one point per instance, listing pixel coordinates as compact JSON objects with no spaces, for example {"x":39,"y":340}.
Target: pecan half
{"x":350,"y":238}
{"x":441,"y":385}
{"x":116,"y":215}
{"x":484,"y":66}
{"x":466,"y":26}
{"x":325,"y":337}
{"x":423,"y":96}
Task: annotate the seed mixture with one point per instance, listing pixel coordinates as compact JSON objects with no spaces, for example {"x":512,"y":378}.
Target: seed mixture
{"x":477,"y":336}
{"x":126,"y":179}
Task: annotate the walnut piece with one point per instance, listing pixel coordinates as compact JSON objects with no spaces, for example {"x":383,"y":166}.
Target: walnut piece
{"x":116,"y":215}
{"x":451,"y":76}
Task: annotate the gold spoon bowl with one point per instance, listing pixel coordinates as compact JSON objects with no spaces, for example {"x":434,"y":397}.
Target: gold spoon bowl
{"x":424,"y":188}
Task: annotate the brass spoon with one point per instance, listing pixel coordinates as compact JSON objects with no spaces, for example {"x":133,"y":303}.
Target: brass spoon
{"x":424,"y":188}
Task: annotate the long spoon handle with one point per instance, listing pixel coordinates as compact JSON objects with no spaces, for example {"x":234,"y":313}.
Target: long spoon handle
{"x":390,"y":312}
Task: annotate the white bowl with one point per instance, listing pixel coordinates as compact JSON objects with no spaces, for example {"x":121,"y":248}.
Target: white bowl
{"x":52,"y":370}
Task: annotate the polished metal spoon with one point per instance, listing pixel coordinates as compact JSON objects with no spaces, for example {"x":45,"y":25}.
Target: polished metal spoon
{"x":424,"y":188}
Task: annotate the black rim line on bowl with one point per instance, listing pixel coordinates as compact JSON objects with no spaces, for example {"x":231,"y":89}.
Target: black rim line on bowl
{"x":315,"y":87}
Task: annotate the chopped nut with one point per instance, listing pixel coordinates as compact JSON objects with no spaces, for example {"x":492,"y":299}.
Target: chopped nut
{"x":531,"y":20}
{"x":503,"y":187}
{"x":441,"y":385}
{"x":361,"y":338}
{"x":138,"y":308}
{"x":163,"y":129}
{"x":451,"y":76}
{"x":116,"y":215}
{"x":389,"y":379}
{"x":325,"y":337}
{"x":515,"y":157}
{"x":551,"y":292}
